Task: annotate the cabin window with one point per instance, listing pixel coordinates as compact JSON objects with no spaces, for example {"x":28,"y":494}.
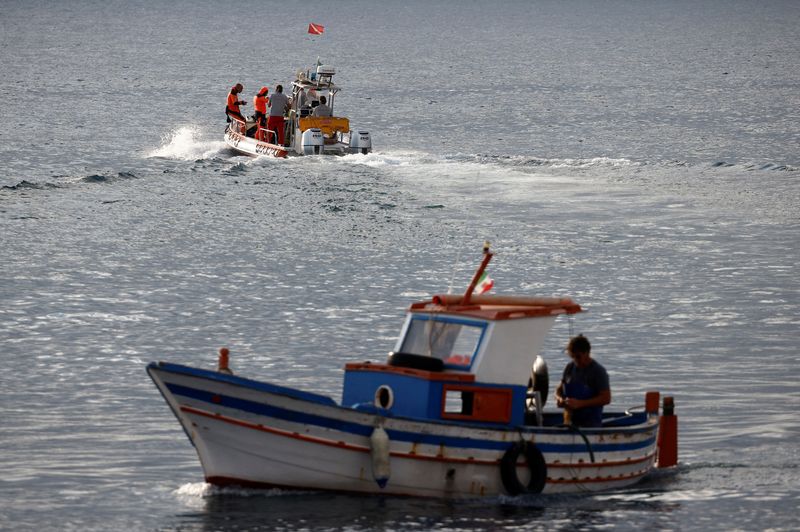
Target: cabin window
{"x":477,"y":403}
{"x":455,"y":342}
{"x":458,"y":402}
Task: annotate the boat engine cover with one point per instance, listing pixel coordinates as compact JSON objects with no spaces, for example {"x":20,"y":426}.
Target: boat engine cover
{"x":313,"y":141}
{"x":360,"y":142}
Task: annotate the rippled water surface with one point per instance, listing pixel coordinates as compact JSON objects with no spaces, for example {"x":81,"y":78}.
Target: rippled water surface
{"x":640,"y":157}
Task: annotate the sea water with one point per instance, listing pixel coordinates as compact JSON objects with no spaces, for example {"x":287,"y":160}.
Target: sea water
{"x":641,"y":157}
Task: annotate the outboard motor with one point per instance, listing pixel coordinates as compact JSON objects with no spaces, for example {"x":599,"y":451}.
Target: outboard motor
{"x":313,"y":141}
{"x":360,"y":142}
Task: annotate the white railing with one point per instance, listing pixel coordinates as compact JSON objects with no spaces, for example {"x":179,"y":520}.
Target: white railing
{"x":266,"y":135}
{"x":237,"y":126}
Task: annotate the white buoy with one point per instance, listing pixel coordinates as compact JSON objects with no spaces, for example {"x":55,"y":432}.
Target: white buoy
{"x":381,"y":468}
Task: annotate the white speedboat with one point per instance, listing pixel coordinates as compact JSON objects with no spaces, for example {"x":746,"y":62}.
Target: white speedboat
{"x":448,"y":414}
{"x":314,"y":135}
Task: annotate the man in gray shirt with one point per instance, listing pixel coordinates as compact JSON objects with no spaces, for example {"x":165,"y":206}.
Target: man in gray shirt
{"x":322,"y":109}
{"x":278,"y":106}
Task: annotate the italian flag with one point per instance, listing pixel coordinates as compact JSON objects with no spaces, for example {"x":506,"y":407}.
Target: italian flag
{"x":485,"y":283}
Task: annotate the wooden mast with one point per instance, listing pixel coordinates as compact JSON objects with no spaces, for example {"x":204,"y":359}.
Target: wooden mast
{"x":487,"y":256}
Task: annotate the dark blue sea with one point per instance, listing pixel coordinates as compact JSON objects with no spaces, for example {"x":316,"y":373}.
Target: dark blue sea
{"x":640,"y":156}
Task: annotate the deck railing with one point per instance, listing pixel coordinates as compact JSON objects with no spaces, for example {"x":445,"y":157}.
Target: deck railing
{"x":237,"y":126}
{"x":266,"y":135}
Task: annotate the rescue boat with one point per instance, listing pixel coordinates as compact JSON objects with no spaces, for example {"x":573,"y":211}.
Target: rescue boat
{"x":314,"y":135}
{"x":455,"y":411}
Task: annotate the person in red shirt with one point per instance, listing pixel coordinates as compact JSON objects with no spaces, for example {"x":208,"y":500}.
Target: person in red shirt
{"x":260,"y":102}
{"x":232,"y":109}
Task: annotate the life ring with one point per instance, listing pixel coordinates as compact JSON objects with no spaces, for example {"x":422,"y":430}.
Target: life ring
{"x":409,"y":360}
{"x":536,"y":466}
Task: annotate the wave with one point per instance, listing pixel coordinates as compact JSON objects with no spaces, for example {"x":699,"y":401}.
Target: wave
{"x":29,"y":185}
{"x":750,"y":167}
{"x":103,"y":178}
{"x":187,"y":143}
{"x":67,"y":180}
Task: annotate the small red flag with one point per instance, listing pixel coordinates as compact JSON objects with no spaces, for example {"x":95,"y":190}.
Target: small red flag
{"x":316,"y":29}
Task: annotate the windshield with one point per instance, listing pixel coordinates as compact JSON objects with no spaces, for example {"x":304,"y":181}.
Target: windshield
{"x":455,"y":342}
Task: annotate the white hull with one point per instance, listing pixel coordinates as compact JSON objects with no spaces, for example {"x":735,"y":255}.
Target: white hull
{"x":250,"y":146}
{"x":256,"y":434}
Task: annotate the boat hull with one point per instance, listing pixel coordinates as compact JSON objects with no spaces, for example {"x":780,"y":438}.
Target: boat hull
{"x":257,"y":434}
{"x":250,"y":146}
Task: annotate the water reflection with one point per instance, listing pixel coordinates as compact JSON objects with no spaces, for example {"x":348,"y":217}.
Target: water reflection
{"x":282,"y":510}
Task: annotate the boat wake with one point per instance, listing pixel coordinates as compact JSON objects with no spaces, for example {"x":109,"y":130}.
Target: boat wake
{"x":187,"y":143}
{"x":528,"y":164}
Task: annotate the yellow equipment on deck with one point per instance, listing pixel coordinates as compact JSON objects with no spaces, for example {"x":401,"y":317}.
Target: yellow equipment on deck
{"x":329,"y":125}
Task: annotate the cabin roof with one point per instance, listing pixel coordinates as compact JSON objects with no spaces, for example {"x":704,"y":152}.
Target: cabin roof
{"x":316,"y":85}
{"x":496,"y":307}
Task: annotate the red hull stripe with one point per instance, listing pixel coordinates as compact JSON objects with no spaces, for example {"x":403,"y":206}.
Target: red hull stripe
{"x":411,"y":456}
{"x":603,"y":464}
{"x":596,"y":479}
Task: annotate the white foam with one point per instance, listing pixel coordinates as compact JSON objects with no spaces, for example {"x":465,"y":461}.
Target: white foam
{"x":193,"y":491}
{"x":186,"y":143}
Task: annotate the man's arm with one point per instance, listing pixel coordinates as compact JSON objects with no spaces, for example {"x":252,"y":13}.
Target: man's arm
{"x":560,"y":395}
{"x":601,"y":399}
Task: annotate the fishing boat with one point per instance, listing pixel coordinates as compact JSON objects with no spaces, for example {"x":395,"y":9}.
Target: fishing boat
{"x":249,"y":138}
{"x":314,"y":135}
{"x":455,"y":411}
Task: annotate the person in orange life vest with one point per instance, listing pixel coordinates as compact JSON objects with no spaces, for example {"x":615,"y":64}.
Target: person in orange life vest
{"x":232,"y":109}
{"x":278,"y":105}
{"x":260,"y":102}
{"x":584,"y":387}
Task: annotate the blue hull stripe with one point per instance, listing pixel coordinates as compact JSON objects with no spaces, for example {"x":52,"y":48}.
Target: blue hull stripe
{"x":396,"y":435}
{"x":244,"y":383}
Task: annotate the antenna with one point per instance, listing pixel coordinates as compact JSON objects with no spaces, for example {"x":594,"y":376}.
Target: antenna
{"x":455,"y":267}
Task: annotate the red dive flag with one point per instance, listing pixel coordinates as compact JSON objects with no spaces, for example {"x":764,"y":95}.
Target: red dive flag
{"x":316,"y":29}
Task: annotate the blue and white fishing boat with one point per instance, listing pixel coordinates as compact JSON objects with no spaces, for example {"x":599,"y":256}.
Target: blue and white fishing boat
{"x":456,"y":411}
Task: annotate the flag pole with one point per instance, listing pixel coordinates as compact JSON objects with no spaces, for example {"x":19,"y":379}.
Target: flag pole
{"x":487,"y":256}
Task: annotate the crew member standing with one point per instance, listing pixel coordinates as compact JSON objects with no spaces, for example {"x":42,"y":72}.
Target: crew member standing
{"x":584,"y":388}
{"x":278,"y":105}
{"x":260,"y":102}
{"x":232,"y":109}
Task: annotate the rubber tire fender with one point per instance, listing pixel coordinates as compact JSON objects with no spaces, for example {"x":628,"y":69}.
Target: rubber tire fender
{"x":536,"y":466}
{"x":409,"y":360}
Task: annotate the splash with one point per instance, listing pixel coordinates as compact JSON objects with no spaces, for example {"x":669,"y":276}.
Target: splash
{"x":202,"y":490}
{"x":185,"y":143}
